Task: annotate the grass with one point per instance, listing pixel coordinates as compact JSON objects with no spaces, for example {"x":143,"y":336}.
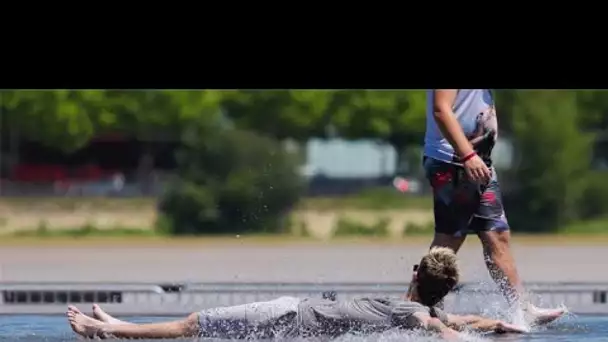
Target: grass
{"x":413,"y":229}
{"x":347,"y":231}
{"x":124,"y":238}
{"x":346,"y":227}
{"x":276,"y":240}
{"x":373,"y":199}
{"x":591,"y":227}
{"x":87,"y":231}
{"x":72,"y":203}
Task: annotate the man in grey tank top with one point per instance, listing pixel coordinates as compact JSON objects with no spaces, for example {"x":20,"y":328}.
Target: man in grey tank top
{"x":294,"y":317}
{"x":461,"y":129}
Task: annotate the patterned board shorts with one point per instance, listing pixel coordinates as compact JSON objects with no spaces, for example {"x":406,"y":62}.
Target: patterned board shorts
{"x":460,"y":206}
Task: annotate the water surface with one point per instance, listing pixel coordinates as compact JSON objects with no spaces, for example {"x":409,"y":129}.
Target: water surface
{"x":22,"y":328}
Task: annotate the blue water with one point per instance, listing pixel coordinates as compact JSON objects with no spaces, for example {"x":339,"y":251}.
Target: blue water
{"x":20,"y":328}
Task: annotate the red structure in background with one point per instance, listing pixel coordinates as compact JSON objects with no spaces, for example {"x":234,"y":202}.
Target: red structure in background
{"x":42,"y":165}
{"x":39,"y":173}
{"x":105,"y":164}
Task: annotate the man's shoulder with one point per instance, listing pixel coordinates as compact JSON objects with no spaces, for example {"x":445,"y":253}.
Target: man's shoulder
{"x":399,"y":303}
{"x":406,"y":303}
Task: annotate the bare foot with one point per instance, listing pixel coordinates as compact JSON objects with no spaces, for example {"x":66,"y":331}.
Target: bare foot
{"x":103,"y":316}
{"x":84,"y":325}
{"x":75,"y":309}
{"x":538,"y":316}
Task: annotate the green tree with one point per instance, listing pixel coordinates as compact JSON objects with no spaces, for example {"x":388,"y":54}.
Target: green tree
{"x":142,"y":113}
{"x":396,"y":117}
{"x":554,"y":158}
{"x":593,"y":109}
{"x":68,"y":119}
{"x":230,"y":181}
{"x":282,"y":114}
{"x":60,"y":118}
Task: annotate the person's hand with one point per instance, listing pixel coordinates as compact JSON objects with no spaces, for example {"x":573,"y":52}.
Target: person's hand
{"x":477,"y":170}
{"x":502,"y":328}
{"x":451,"y":335}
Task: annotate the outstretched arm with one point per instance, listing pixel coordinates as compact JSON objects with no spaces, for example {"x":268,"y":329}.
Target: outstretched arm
{"x":481,"y":324}
{"x":426,"y":322}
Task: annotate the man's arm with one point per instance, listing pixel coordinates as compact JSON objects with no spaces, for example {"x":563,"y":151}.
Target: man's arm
{"x":426,"y":322}
{"x":481,"y":324}
{"x":443,"y":101}
{"x":462,"y":322}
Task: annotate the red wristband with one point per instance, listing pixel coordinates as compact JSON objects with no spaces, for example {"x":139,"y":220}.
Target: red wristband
{"x":468,"y":156}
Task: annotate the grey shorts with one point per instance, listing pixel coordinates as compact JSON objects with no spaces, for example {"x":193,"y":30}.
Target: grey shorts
{"x":275,"y":318}
{"x":460,"y":206}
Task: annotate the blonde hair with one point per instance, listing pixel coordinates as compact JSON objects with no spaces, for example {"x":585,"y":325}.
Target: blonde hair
{"x":437,"y":275}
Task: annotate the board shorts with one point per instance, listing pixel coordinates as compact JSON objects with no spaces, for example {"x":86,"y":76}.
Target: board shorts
{"x":463,"y":207}
{"x":259,"y":320}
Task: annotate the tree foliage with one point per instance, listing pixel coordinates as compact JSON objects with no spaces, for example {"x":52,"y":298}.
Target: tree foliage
{"x":68,"y":119}
{"x":60,"y":118}
{"x":230,"y":181}
{"x":554,"y":158}
{"x":397,"y":117}
{"x":295,"y":114}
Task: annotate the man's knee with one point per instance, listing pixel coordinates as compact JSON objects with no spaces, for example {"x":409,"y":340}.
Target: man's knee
{"x":495,"y":241}
{"x":496,"y":237}
{"x":446,"y":240}
{"x":191,"y":324}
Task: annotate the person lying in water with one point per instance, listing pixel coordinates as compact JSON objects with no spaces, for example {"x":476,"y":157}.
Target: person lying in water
{"x":435,"y":277}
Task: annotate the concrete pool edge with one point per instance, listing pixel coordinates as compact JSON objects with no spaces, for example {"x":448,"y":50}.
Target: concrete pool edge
{"x":174,"y":299}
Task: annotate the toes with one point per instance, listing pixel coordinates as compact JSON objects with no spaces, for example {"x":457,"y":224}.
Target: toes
{"x":74,"y":309}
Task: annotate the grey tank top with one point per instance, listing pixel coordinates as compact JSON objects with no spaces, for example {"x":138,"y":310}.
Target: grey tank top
{"x":360,"y":315}
{"x":475,"y":111}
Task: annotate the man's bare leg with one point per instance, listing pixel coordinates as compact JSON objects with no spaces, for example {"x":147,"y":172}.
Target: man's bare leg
{"x":501,"y":265}
{"x":89,"y":327}
{"x":103,"y":316}
{"x":446,"y":240}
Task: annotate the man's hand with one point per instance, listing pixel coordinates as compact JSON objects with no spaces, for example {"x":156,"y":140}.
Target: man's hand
{"x":450,"y":335}
{"x":481,"y":324}
{"x":477,"y":170}
{"x":502,"y":328}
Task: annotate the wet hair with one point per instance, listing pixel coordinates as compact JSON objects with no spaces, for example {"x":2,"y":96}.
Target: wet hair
{"x":437,"y":275}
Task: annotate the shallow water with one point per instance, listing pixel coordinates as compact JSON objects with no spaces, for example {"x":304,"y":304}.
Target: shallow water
{"x":573,"y":328}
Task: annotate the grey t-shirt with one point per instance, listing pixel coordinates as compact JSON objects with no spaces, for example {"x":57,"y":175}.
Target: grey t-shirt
{"x":290,"y":316}
{"x":474,"y":109}
{"x":361,"y":315}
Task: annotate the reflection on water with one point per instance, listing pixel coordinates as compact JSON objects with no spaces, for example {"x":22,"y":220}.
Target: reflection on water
{"x":572,"y":328}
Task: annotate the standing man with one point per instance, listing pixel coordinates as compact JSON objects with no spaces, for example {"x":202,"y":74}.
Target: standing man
{"x":461,"y":130}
